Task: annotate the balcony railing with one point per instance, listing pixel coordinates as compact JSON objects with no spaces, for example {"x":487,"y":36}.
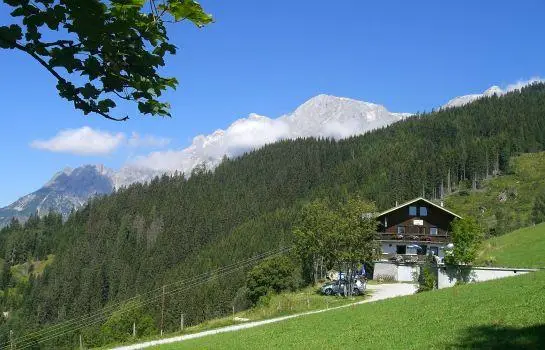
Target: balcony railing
{"x":383,"y":236}
{"x":403,"y":258}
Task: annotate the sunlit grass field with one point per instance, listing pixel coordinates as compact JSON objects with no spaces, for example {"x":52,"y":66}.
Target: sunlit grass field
{"x":521,"y":248}
{"x":507,"y":313}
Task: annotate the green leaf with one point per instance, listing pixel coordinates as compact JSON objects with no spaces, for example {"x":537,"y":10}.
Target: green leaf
{"x":19,"y":11}
{"x":129,"y":3}
{"x":89,"y":91}
{"x":16,"y":2}
{"x":105,"y":105}
{"x":10,"y":35}
{"x":187,"y":9}
{"x":92,"y":68}
{"x":32,"y":33}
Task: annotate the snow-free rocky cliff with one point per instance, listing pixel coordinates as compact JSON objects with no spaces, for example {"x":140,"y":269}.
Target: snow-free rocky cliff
{"x":67,"y":190}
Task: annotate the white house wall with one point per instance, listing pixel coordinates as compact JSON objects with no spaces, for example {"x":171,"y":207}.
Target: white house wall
{"x":388,"y":248}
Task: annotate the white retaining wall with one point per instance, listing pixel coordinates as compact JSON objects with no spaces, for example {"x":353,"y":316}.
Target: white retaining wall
{"x":398,"y":272}
{"x":446,"y":276}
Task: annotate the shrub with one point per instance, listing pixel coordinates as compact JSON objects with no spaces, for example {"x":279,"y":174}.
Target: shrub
{"x":385,"y":278}
{"x":490,"y":260}
{"x":272,"y":275}
{"x":241,"y":300}
{"x":538,"y":211}
{"x":427,"y":279}
{"x":467,"y":236}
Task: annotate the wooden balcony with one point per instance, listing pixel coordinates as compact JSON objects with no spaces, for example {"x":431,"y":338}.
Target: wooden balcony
{"x":411,"y":237}
{"x":403,"y":258}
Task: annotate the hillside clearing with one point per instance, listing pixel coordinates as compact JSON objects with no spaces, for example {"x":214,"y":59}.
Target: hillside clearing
{"x":521,"y":248}
{"x":507,"y":313}
{"x":504,"y":203}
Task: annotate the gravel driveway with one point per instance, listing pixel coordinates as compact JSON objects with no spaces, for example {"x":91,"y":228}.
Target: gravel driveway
{"x":379,"y":292}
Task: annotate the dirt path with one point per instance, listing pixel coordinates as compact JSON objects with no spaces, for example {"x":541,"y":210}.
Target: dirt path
{"x":379,"y":292}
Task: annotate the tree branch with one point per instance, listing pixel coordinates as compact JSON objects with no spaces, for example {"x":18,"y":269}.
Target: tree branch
{"x":70,"y":43}
{"x":62,"y":80}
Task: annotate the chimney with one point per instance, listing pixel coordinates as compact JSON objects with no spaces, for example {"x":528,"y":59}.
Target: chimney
{"x":396,"y":204}
{"x":442,"y":204}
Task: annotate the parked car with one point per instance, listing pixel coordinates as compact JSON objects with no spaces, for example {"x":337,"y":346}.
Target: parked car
{"x":337,"y":287}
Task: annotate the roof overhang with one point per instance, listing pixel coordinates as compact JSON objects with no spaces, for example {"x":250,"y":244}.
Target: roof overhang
{"x":416,"y":200}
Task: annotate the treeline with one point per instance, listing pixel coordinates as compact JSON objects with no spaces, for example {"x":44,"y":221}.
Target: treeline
{"x":147,"y":236}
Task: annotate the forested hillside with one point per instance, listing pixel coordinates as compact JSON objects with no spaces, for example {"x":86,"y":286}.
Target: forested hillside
{"x":145,"y":236}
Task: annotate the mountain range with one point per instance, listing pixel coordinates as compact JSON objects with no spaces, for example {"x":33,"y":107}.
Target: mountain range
{"x":323,"y":116}
{"x":67,"y":190}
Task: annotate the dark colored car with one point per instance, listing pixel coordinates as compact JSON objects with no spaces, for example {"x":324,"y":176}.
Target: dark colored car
{"x":337,"y":287}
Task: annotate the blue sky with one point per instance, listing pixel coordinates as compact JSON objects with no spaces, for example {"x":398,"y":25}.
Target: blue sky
{"x":268,"y":57}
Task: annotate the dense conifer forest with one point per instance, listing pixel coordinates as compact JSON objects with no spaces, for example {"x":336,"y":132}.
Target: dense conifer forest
{"x":176,"y":227}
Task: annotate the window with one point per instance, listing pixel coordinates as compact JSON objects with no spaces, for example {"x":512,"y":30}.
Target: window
{"x":423,"y":211}
{"x":422,"y":251}
{"x":433,"y":231}
{"x":401,"y":249}
{"x":412,"y":211}
{"x":401,"y":230}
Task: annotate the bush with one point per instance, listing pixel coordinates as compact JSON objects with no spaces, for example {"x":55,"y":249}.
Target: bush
{"x":427,"y":278}
{"x":538,"y":211}
{"x":490,"y":260}
{"x":467,"y":236}
{"x":385,"y":278}
{"x":118,"y":327}
{"x":273,"y":275}
{"x":241,"y":300}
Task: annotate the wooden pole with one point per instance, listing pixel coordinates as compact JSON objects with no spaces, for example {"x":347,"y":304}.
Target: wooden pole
{"x":11,"y":339}
{"x":134,"y":329}
{"x":181,"y":322}
{"x":80,"y":342}
{"x":162,"y":310}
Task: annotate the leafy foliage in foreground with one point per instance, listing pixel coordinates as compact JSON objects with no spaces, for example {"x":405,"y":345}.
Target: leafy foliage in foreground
{"x":336,"y":235}
{"x":116,"y":46}
{"x":500,"y":314}
{"x":467,"y":236}
{"x":174,"y":228}
{"x":538,"y":211}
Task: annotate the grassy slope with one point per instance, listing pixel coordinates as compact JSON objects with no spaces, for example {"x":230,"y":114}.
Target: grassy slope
{"x":525,"y":181}
{"x":278,"y":305}
{"x":521,"y":248}
{"x":502,"y":313}
{"x":22,"y":272}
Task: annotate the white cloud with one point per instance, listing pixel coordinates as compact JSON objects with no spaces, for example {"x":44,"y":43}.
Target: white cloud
{"x":321,"y":116}
{"x":493,"y":90}
{"x":136,"y":140}
{"x":243,"y":135}
{"x":83,"y":141}
{"x":522,"y":83}
{"x":87,"y":141}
